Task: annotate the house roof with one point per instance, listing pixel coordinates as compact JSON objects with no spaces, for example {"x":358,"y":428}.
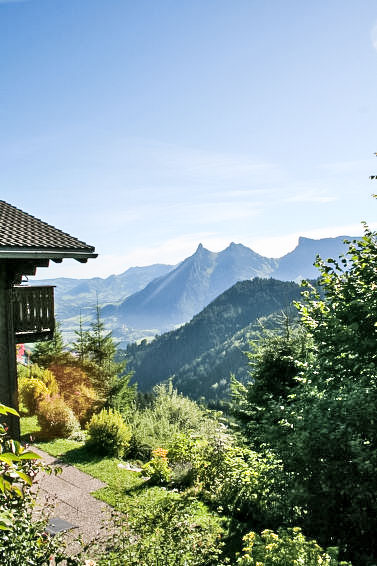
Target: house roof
{"x":26,"y":237}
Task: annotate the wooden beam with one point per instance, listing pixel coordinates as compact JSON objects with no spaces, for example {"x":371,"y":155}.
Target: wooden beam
{"x":8,"y":366}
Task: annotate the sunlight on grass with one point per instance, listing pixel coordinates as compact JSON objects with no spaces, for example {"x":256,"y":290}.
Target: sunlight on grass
{"x":29,"y":428}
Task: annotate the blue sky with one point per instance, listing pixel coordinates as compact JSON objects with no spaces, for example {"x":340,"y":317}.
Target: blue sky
{"x":145,"y":127}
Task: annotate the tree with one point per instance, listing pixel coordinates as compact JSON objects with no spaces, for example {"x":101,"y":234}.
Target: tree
{"x":45,"y":352}
{"x":96,"y":351}
{"x":335,"y":432}
{"x":262,"y":404}
{"x":322,"y":422}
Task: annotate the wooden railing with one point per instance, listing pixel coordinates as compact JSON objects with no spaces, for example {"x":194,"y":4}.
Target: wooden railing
{"x":33,"y":313}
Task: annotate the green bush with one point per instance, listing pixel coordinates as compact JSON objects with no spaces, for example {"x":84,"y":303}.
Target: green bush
{"x":56,"y":419}
{"x":31,"y":391}
{"x":249,"y":485}
{"x":175,"y":532}
{"x":45,"y":375}
{"x":158,"y":468}
{"x":170,"y":415}
{"x":23,"y":538}
{"x":187,"y":457}
{"x":287,"y":547}
{"x":108,"y":434}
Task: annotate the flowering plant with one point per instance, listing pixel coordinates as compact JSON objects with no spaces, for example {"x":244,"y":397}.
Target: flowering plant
{"x":157,"y":469}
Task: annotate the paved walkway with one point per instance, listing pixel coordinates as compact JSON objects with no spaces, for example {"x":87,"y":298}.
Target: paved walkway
{"x":69,"y":495}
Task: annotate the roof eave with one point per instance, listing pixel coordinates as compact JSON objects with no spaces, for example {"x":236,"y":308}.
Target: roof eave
{"x":30,"y":254}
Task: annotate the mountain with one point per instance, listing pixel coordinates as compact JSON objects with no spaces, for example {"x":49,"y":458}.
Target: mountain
{"x":145,"y":301}
{"x":203,"y":352}
{"x":298,"y":264}
{"x":176,"y":297}
{"x":75,"y":296}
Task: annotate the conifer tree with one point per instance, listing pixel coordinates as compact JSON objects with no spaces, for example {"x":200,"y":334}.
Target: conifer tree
{"x":46,"y":352}
{"x":96,"y":350}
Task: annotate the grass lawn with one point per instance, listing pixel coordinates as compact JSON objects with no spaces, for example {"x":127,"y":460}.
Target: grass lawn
{"x":125,"y":491}
{"x":166,"y":520}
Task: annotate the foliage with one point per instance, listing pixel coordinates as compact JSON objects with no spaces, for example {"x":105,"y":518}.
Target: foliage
{"x":322,"y":426}
{"x":56,"y":419}
{"x":23,"y":537}
{"x":248,"y":485}
{"x":75,"y":388}
{"x":37,"y":372}
{"x":108,"y":433}
{"x":45,"y":352}
{"x":122,"y":396}
{"x":175,"y":532}
{"x":157,"y":469}
{"x":84,"y":403}
{"x":169,"y":415}
{"x":31,"y":391}
{"x":96,"y":351}
{"x":203,"y":352}
{"x":34,"y":383}
{"x":276,"y":360}
{"x":287,"y":547}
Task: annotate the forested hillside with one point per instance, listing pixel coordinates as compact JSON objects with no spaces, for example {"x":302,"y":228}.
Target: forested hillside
{"x":204,"y":352}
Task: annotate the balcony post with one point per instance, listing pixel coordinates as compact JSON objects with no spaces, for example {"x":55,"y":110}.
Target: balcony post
{"x":8,"y":365}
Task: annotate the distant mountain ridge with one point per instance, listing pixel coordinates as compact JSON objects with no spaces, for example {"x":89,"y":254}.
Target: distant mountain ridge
{"x":200,"y":355}
{"x":144,"y":301}
{"x":295,"y":265}
{"x":177,"y":296}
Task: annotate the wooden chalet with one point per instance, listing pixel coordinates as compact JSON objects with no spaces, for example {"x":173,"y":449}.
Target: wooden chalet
{"x":27,"y":312}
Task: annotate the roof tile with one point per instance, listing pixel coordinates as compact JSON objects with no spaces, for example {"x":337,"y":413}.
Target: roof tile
{"x":23,"y":231}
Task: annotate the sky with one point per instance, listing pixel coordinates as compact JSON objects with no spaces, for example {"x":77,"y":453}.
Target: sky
{"x":146,"y":127}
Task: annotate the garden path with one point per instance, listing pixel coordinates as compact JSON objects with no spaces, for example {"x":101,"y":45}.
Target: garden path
{"x":69,"y":498}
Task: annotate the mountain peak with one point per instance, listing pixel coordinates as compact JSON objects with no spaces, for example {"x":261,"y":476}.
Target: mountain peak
{"x":201,"y":249}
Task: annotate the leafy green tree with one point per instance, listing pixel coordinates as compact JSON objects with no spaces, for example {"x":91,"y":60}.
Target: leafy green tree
{"x":326,"y":433}
{"x":275,"y":361}
{"x":334,"y":422}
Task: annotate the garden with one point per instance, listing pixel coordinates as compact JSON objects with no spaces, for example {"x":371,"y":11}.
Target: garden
{"x":285,"y":477}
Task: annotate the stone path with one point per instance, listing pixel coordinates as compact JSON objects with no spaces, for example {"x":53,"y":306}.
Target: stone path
{"x":69,"y":495}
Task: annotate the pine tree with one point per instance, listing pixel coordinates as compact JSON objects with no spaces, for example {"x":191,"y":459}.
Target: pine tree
{"x":45,"y":352}
{"x":96,"y":350}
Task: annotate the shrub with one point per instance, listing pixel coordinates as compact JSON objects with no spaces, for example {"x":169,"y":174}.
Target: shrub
{"x":170,"y":415}
{"x":175,"y":532}
{"x":31,"y":391}
{"x":251,"y":486}
{"x":56,"y":419}
{"x":286,"y":547}
{"x":187,"y":456}
{"x":84,"y":402}
{"x":44,"y":375}
{"x":23,"y":538}
{"x":108,"y":433}
{"x":158,"y":468}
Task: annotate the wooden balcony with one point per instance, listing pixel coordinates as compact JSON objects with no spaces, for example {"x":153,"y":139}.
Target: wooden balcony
{"x":33,"y":313}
